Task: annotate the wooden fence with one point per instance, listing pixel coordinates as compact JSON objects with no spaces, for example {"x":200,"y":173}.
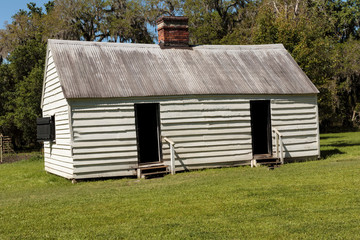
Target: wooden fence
{"x":5,"y":146}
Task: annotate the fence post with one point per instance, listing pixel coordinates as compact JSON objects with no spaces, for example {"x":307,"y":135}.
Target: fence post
{"x":1,"y":147}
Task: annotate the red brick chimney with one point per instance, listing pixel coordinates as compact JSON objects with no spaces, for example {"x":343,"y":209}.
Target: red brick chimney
{"x":173,"y":31}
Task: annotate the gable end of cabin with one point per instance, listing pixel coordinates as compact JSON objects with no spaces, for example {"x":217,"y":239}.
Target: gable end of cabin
{"x":57,"y":153}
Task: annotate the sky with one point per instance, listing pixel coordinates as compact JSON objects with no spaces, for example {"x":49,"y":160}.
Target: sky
{"x":9,"y":7}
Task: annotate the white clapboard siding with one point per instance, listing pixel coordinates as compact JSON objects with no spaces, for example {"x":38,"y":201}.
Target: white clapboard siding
{"x":216,"y":100}
{"x":207,"y":125}
{"x":108,"y":114}
{"x":104,"y":138}
{"x":205,"y":154}
{"x":63,"y":164}
{"x":166,"y":149}
{"x":296,"y":120}
{"x":204,"y":138}
{"x":103,"y":167}
{"x":203,"y":131}
{"x":106,"y":155}
{"x":58,"y":158}
{"x":102,"y":143}
{"x":56,"y":170}
{"x":106,"y":135}
{"x":97,"y":174}
{"x":218,"y":142}
{"x":204,"y":114}
{"x":299,"y":140}
{"x":105,"y":149}
{"x":206,"y":120}
{"x":59,"y":166}
{"x":207,"y":132}
{"x":288,"y":122}
{"x":294,"y":116}
{"x":97,"y":162}
{"x":100,"y":122}
{"x":205,"y":162}
{"x":205,"y":106}
{"x":102,"y":129}
{"x":59,"y":152}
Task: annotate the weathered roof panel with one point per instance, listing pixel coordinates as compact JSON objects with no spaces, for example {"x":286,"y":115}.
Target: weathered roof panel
{"x":105,"y":70}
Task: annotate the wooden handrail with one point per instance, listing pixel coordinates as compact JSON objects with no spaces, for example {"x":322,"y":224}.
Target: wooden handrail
{"x":172,"y":155}
{"x":278,"y":139}
{"x":169,"y":141}
{"x":277,"y":132}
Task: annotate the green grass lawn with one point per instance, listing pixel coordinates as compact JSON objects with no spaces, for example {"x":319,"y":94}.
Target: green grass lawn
{"x":316,"y":200}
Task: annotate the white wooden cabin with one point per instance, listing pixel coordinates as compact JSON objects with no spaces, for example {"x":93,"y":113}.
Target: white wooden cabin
{"x":113,"y":104}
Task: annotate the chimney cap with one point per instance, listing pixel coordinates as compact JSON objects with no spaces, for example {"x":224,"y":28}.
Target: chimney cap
{"x":172,"y":18}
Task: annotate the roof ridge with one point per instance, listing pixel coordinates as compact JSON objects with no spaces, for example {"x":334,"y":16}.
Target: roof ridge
{"x":112,"y":44}
{"x":243,"y":47}
{"x":144,"y":45}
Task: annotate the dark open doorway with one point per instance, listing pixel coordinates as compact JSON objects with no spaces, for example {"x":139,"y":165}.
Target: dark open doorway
{"x":148,"y":132}
{"x":260,"y":126}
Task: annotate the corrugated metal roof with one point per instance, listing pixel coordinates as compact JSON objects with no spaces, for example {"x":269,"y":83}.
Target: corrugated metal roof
{"x":105,"y":70}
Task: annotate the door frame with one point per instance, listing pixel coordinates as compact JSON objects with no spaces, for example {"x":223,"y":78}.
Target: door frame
{"x":158,"y":131}
{"x":268,"y":127}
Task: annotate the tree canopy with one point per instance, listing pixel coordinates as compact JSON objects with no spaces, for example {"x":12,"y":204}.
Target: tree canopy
{"x":322,"y":35}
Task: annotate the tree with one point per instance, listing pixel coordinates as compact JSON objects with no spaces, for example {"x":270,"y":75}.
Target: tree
{"x":27,"y":104}
{"x":126,"y":21}
{"x":322,"y":36}
{"x":23,"y":77}
{"x":99,"y":20}
{"x":218,"y":21}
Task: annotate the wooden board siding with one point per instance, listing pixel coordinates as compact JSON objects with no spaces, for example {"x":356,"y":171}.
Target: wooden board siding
{"x":104,"y":138}
{"x":297,"y":119}
{"x":207,"y":131}
{"x":58,"y":159}
{"x":217,"y":132}
{"x":104,"y":134}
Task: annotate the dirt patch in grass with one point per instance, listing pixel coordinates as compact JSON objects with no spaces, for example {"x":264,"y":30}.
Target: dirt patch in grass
{"x":11,"y":158}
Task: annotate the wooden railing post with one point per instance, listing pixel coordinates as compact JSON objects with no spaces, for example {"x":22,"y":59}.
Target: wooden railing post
{"x":278,"y":139}
{"x":281,"y":150}
{"x":277,"y":144}
{"x":172,"y":155}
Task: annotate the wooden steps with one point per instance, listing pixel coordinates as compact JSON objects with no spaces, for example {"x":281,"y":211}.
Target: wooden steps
{"x":266,"y":160}
{"x":151,"y":170}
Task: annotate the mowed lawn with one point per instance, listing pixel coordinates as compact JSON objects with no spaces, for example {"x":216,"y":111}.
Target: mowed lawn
{"x":314,"y":200}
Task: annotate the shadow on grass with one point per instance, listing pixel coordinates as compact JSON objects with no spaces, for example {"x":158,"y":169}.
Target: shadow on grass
{"x":328,"y":153}
{"x":342,"y":144}
{"x":327,"y":137}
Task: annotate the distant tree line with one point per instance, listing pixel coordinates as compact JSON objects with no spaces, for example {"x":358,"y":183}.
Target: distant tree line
{"x":322,"y":36}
